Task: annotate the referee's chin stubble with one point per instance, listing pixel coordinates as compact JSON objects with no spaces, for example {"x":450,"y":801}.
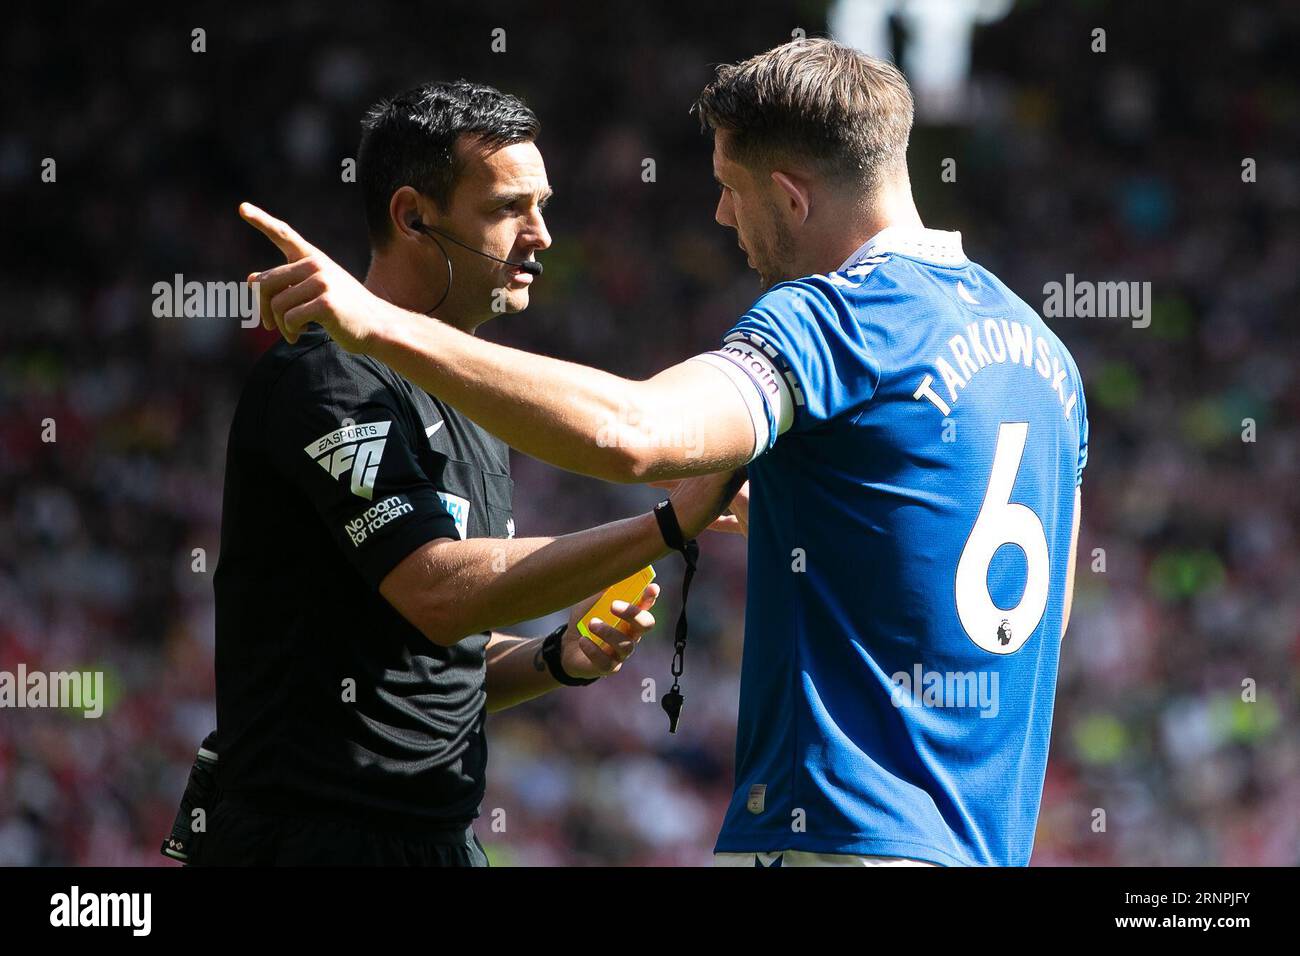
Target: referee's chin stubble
{"x":513,"y":293}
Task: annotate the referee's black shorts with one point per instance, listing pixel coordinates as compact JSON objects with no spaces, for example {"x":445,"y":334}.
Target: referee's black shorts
{"x":241,"y":833}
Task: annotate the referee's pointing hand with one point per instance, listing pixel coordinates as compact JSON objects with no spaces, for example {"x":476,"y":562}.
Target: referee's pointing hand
{"x":311,"y":287}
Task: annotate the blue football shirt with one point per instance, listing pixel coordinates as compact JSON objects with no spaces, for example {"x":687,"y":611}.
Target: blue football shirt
{"x":910,"y":527}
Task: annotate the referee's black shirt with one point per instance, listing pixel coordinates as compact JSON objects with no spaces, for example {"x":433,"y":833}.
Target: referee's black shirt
{"x":337,"y":469}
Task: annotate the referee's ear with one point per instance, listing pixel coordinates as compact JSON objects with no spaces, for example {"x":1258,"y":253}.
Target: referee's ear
{"x":406,"y":208}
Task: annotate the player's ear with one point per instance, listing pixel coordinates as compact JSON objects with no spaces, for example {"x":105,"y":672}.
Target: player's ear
{"x":795,"y":194}
{"x":404,"y":208}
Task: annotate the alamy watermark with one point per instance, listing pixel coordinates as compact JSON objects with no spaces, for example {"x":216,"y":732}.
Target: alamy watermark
{"x":180,"y":299}
{"x":133,"y":911}
{"x":631,"y":428}
{"x":921,"y":688}
{"x":1102,"y":300}
{"x":83,"y":690}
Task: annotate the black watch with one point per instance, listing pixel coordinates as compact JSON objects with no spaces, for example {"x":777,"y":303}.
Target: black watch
{"x":551,"y":653}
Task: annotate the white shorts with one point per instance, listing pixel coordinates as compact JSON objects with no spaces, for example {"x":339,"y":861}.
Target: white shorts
{"x":801,"y":858}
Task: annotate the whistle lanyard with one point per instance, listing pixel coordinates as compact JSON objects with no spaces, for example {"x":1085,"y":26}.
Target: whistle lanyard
{"x":690,"y":551}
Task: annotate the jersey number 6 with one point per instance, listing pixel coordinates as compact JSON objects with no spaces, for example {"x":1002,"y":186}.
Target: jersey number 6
{"x":1001,"y":521}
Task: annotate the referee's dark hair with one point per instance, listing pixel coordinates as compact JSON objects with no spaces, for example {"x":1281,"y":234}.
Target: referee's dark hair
{"x":410,"y":140}
{"x":846,"y":114}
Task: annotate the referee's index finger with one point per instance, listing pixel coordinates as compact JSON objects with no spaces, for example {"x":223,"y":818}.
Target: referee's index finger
{"x":281,"y":233}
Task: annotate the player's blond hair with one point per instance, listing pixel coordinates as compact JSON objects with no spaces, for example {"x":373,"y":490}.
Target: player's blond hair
{"x":812,"y":100}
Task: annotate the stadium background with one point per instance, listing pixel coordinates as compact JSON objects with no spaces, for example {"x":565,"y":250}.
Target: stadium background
{"x":1117,"y":165}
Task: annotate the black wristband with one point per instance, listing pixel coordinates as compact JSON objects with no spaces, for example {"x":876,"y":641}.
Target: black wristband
{"x":669,"y":526}
{"x":552,"y":651}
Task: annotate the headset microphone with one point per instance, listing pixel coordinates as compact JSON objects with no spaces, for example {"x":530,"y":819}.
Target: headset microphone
{"x":530,"y":266}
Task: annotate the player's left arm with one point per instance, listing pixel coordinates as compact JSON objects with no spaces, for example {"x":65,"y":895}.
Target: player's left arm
{"x":1082,"y":463}
{"x":1069,"y":565}
{"x":694,"y":418}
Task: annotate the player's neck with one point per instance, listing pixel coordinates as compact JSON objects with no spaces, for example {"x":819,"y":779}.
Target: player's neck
{"x":892,"y":207}
{"x":399,"y":283}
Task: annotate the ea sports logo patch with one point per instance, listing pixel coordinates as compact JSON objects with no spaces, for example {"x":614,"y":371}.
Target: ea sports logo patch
{"x":355,"y":450}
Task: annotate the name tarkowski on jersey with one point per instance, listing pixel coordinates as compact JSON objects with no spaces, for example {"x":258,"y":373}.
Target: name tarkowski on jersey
{"x":996,"y":342}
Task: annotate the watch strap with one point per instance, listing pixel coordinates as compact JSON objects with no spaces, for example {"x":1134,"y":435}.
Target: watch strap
{"x":552,"y":653}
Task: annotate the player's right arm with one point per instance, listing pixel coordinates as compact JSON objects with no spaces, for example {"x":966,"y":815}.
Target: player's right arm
{"x":800,"y":347}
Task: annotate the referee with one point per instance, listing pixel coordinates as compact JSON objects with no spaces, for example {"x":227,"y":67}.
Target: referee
{"x":367,"y":542}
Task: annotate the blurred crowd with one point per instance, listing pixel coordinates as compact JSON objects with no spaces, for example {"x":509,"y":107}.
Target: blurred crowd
{"x":1176,"y":737}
